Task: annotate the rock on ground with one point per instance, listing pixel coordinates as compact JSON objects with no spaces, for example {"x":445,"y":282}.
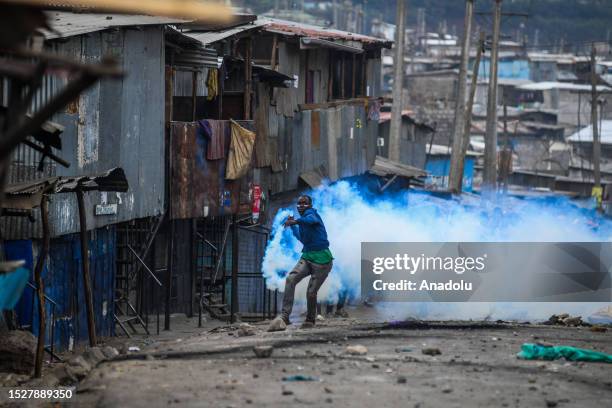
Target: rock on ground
{"x":17,"y":352}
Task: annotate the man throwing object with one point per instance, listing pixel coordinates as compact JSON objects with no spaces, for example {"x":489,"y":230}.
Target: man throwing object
{"x":316,"y":261}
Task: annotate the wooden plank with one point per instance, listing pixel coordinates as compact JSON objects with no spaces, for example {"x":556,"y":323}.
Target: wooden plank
{"x":315,"y":130}
{"x":333,"y":104}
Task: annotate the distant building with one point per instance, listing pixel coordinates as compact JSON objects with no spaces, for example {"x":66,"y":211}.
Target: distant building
{"x":438,"y":168}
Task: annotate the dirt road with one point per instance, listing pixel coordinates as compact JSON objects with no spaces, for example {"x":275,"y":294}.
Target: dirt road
{"x":477,"y":367}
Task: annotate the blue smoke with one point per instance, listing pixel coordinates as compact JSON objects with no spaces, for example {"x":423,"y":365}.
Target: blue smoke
{"x":353,"y":212}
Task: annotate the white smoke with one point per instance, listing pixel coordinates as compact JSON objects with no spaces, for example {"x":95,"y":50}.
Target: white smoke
{"x":351,"y":217}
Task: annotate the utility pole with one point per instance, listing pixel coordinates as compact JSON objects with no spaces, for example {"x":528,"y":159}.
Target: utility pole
{"x":506,"y":156}
{"x":398,"y":82}
{"x":489,"y":181}
{"x":335,"y":6}
{"x":597,"y":192}
{"x":468,"y":112}
{"x":455,"y":179}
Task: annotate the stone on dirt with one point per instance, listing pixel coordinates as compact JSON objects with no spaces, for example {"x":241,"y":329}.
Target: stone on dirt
{"x":357,"y":350}
{"x":17,"y":352}
{"x":94,"y":355}
{"x":78,"y":367}
{"x":110,"y":352}
{"x":277,"y":324}
{"x":431,"y":351}
{"x":245,"y":329}
{"x":263,"y":351}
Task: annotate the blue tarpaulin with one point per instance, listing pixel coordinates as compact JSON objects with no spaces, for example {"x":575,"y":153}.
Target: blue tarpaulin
{"x":11,"y":287}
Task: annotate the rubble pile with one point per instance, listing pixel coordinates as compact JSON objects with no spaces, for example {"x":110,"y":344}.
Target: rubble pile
{"x":565,"y":319}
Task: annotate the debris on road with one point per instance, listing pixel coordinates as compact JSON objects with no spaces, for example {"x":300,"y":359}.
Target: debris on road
{"x":17,"y":351}
{"x":531,"y":351}
{"x":263,"y":351}
{"x":300,"y":377}
{"x":134,"y":348}
{"x":599,"y":329}
{"x":277,"y":324}
{"x":565,"y":319}
{"x":245,"y":329}
{"x":431,"y":351}
{"x":403,"y":349}
{"x":357,"y":350}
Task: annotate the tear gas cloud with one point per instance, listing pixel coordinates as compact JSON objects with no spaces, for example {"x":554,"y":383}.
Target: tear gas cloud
{"x":352,"y":214}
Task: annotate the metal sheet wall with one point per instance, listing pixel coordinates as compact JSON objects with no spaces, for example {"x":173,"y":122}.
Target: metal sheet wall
{"x":345,"y":145}
{"x":198,"y":186}
{"x":63,"y":282}
{"x":116,"y":123}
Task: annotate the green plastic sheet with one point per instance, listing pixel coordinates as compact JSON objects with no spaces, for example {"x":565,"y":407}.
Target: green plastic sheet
{"x":531,"y":351}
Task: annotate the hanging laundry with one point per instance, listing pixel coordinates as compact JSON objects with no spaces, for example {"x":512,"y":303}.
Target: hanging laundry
{"x":212,"y":83}
{"x":374,"y":109}
{"x":214,"y":131}
{"x":240,"y":152}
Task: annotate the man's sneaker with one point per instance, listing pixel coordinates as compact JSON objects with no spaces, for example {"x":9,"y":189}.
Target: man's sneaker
{"x":307,"y":325}
{"x":278,"y":324}
{"x":341,"y":313}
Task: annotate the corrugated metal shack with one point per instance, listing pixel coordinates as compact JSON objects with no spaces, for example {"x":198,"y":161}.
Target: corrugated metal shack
{"x":116,"y":123}
{"x":307,"y":92}
{"x":310,"y":93}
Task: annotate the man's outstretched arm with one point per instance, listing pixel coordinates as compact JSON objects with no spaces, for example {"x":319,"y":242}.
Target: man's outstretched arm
{"x":309,"y":219}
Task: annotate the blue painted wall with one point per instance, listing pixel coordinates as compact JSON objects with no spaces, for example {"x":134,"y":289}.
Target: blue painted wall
{"x":63,"y":282}
{"x":511,"y":69}
{"x":438,"y":167}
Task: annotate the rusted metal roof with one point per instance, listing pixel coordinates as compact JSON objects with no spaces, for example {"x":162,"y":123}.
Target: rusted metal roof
{"x":384,"y":167}
{"x":27,"y":195}
{"x":311,"y":31}
{"x":314,"y":178}
{"x":65,"y":24}
{"x":211,"y":37}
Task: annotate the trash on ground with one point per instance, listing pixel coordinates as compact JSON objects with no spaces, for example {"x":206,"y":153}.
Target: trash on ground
{"x":300,"y":377}
{"x":133,"y":348}
{"x":530,"y":351}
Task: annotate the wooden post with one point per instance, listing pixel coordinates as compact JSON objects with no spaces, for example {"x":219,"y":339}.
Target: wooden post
{"x":354,"y":84}
{"x":40,"y":290}
{"x":342,"y":78}
{"x":398,"y":83}
{"x":91,"y":323}
{"x":234,"y":304}
{"x":489,"y":181}
{"x":468,"y":111}
{"x":274,"y":47}
{"x":169,"y":266}
{"x":455,"y":179}
{"x":169,"y":94}
{"x":596,"y":145}
{"x":507,"y":155}
{"x":194,"y":90}
{"x":248,"y":79}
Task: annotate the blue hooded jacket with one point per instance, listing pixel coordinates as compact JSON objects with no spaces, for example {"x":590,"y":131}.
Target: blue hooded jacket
{"x":310,"y":231}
